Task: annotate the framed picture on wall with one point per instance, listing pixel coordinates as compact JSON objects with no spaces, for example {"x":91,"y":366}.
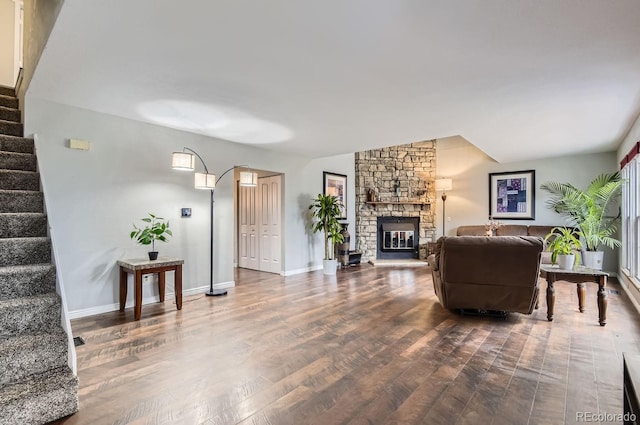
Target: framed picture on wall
{"x":336,"y":185}
{"x":512,"y":195}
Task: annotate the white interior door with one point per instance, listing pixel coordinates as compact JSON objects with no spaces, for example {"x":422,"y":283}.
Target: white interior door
{"x":269,"y":193}
{"x":248,"y":228}
{"x":259,"y":225}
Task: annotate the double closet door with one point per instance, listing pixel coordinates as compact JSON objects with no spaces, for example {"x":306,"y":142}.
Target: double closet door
{"x":259,"y":225}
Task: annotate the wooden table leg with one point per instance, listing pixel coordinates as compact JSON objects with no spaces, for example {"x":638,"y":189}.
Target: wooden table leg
{"x":582,"y":294}
{"x":161,"y":285}
{"x":551,"y":297}
{"x":178,"y":286}
{"x":123,"y":288}
{"x":602,"y":300}
{"x":138,"y":306}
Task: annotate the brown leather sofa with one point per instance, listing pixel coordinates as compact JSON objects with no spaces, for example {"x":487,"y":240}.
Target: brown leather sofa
{"x":487,"y":273}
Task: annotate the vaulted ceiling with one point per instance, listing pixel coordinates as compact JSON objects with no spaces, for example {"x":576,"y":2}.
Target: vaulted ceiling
{"x":518,"y":79}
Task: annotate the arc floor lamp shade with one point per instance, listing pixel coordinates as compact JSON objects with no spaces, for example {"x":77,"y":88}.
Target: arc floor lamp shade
{"x":444,"y":184}
{"x":205,"y":181}
{"x":248,"y":178}
{"x":183,"y":161}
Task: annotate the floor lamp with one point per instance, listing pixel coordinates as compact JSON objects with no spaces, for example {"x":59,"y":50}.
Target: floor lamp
{"x":443,"y":185}
{"x":186,"y":161}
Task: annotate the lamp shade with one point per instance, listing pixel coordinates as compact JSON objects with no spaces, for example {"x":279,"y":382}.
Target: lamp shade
{"x":444,"y":184}
{"x":248,"y":178}
{"x":183,"y":161}
{"x":205,"y":181}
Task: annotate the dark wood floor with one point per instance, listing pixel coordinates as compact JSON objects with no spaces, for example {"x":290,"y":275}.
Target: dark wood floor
{"x":369,"y":346}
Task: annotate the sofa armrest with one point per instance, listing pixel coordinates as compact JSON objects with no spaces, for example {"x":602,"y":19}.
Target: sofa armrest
{"x":432,"y":262}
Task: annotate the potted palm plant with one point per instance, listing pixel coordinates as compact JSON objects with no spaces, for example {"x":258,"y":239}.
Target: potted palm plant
{"x":589,"y":211}
{"x":325,"y":212}
{"x":156,"y":229}
{"x":563,"y":243}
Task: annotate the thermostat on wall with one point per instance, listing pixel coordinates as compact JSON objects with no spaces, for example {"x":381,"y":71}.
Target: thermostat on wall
{"x":186,"y":212}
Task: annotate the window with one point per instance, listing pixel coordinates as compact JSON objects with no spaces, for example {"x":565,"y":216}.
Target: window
{"x":630,"y":254}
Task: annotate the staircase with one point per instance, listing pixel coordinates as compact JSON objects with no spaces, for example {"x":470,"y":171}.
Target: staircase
{"x":36,"y":384}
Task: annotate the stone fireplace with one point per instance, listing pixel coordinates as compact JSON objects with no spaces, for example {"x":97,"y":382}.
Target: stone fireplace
{"x":394,"y":190}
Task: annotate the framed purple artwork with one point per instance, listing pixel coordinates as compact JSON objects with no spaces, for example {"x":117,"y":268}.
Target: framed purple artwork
{"x":512,"y":195}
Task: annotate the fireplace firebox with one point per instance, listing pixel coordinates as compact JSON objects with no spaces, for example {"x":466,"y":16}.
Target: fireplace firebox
{"x":398,"y":237}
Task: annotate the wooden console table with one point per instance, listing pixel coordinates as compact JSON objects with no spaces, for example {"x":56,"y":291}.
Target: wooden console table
{"x":579,"y":276}
{"x":139,"y":267}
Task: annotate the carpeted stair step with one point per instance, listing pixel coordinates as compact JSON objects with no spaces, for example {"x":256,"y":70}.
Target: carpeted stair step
{"x":28,"y":315}
{"x":40,"y":399}
{"x":7,"y":91}
{"x":18,"y":161}
{"x":22,"y":225}
{"x":16,"y":201}
{"x":23,"y":251}
{"x":19,"y":180}
{"x":10,"y":114}
{"x":9,"y":101}
{"x":11,"y":128}
{"x":16,"y":144}
{"x":32,"y":354}
{"x":26,"y":281}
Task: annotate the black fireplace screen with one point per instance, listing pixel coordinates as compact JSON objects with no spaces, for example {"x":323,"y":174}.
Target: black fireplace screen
{"x":397,"y":236}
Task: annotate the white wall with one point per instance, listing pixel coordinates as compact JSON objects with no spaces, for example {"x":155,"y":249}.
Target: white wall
{"x":7,"y":43}
{"x":468,"y":202}
{"x":304,"y":249}
{"x":94,"y":196}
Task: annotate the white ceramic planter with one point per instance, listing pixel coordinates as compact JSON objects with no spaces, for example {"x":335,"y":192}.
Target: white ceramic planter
{"x":566,"y":262}
{"x":593,"y":259}
{"x":329,"y":266}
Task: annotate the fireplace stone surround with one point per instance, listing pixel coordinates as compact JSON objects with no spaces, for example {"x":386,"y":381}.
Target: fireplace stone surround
{"x":401,"y":179}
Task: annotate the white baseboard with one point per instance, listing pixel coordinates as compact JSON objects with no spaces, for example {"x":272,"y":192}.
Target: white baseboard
{"x":91,"y":311}
{"x":300,"y":271}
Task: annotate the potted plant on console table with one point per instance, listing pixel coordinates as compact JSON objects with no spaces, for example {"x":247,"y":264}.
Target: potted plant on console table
{"x":588,"y":210}
{"x":563,"y":244}
{"x":325,"y":212}
{"x":156,"y":229}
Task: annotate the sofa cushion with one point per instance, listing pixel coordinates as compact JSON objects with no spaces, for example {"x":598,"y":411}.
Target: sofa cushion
{"x":471,"y":231}
{"x":540,"y":231}
{"x":512,"y":230}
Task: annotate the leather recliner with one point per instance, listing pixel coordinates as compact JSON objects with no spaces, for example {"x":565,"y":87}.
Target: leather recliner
{"x":487,"y":272}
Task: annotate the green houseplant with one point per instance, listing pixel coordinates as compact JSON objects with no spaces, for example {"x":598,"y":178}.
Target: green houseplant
{"x":325,"y":212}
{"x":563,"y":243}
{"x":588,"y":210}
{"x":156,"y":229}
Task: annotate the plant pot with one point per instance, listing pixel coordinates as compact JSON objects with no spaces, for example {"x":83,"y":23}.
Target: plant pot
{"x":593,"y":259}
{"x":329,"y":266}
{"x":566,"y":262}
{"x":153,"y":255}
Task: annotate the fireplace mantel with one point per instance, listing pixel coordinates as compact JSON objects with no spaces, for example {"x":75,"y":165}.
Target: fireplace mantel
{"x":374,"y":203}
